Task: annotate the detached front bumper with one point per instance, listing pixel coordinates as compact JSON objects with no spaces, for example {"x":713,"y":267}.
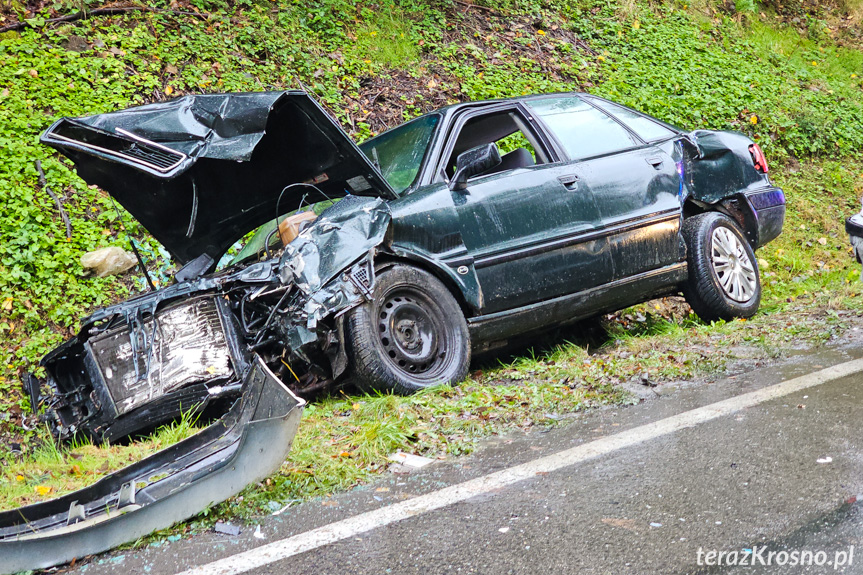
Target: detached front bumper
{"x":248,"y":443}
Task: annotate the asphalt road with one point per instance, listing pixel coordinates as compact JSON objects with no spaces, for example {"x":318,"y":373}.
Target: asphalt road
{"x":782,"y":476}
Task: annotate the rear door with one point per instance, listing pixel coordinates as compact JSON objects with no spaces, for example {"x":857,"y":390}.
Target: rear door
{"x":635,"y":184}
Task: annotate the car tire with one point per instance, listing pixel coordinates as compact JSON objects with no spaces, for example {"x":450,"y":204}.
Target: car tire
{"x":723,"y":282}
{"x":411,"y":336}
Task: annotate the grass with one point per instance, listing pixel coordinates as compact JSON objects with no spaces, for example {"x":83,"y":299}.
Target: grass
{"x":52,"y":470}
{"x":388,"y":39}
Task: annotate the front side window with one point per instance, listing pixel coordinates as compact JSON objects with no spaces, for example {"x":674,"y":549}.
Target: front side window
{"x":647,"y":129}
{"x":516,"y":143}
{"x":582,"y":129}
{"x":399,"y":152}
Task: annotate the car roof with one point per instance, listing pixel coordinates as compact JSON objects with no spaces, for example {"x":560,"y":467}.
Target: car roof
{"x":481,"y":103}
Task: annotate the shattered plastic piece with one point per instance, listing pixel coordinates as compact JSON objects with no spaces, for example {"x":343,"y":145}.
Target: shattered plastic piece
{"x":226,"y":528}
{"x":108,"y":261}
{"x":290,"y":227}
{"x":409,"y":460}
{"x":826,"y":459}
{"x":258,"y":534}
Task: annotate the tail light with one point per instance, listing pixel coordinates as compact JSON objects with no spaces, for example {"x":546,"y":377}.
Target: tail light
{"x":758,"y":158}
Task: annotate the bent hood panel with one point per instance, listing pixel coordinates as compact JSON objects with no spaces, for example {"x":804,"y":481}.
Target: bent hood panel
{"x":200,"y":171}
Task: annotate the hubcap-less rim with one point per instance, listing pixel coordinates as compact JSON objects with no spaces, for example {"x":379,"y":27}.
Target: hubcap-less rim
{"x":734,"y":270}
{"x":409,"y":333}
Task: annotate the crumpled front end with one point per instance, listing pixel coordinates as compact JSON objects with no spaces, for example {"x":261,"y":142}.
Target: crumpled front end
{"x":236,"y":346}
{"x":189,"y":347}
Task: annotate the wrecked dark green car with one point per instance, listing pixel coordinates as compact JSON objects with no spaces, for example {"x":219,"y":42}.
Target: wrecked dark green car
{"x":457,"y":231}
{"x":460,"y":229}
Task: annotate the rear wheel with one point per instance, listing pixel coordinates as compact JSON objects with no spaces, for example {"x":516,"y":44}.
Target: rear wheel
{"x":413,"y":334}
{"x":723,"y":272}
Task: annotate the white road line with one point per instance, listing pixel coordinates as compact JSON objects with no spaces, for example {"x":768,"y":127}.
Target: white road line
{"x":279,"y":550}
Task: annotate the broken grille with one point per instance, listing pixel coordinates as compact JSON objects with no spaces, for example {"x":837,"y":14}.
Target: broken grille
{"x":148,"y":358}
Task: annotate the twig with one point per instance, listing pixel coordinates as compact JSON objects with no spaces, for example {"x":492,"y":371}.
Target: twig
{"x":83,"y":15}
{"x":478,"y":7}
{"x":44,"y":183}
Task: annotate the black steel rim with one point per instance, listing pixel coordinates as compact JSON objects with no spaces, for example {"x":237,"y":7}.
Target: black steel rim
{"x":413,"y":334}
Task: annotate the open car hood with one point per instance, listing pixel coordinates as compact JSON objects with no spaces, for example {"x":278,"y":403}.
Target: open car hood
{"x":200,"y":171}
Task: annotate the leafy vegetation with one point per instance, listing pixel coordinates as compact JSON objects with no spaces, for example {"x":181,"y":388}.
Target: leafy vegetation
{"x":791,"y":80}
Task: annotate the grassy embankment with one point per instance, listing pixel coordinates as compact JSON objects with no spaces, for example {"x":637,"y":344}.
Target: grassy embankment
{"x":790,"y":84}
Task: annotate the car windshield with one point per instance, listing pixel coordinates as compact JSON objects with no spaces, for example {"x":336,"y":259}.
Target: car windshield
{"x":399,"y":152}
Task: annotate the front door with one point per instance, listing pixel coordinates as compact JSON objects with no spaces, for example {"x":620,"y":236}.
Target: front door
{"x":529,"y":225}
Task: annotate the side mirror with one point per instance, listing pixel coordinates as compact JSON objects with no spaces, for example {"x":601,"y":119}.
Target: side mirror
{"x":472,"y":162}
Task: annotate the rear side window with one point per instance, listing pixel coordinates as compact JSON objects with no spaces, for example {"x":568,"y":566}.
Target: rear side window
{"x":647,"y":129}
{"x":582,"y":129}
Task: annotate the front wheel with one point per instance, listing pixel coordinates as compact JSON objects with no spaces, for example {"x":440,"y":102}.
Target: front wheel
{"x":723,"y":272}
{"x":411,"y":336}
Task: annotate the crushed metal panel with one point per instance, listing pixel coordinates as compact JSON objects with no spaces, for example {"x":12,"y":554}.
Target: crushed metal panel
{"x":202,"y":170}
{"x":341,"y":235}
{"x":721,"y":165}
{"x":248,"y":443}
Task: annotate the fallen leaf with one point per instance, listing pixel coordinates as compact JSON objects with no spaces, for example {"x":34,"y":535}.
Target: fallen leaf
{"x":44,"y":490}
{"x":620,"y":522}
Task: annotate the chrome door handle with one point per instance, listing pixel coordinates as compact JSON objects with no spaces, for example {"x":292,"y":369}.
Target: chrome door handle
{"x":655,"y":161}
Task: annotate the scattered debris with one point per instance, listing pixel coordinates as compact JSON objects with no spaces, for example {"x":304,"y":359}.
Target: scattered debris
{"x":258,"y":534}
{"x":108,"y":261}
{"x":226,"y":528}
{"x":622,"y":522}
{"x":826,"y":459}
{"x":410,"y":461}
